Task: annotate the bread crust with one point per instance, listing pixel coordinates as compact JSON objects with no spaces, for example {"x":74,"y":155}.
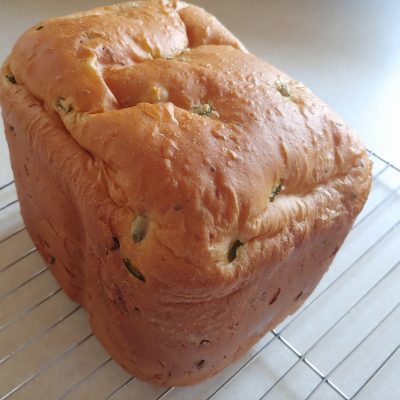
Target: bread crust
{"x":245,"y":183}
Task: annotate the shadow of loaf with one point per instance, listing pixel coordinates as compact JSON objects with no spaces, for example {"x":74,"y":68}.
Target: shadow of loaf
{"x":189,"y":195}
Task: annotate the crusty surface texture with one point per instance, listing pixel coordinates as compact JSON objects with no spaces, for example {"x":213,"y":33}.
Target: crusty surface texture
{"x":189,"y":195}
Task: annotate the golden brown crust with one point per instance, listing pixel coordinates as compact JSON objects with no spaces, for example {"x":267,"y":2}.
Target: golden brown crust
{"x":184,"y":191}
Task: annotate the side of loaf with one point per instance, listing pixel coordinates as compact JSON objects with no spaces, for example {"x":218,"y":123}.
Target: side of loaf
{"x":189,"y":195}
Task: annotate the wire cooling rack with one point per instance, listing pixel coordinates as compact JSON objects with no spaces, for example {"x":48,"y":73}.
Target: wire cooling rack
{"x":342,"y":344}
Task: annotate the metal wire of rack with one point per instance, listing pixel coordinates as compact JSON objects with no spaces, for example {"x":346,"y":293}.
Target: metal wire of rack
{"x":340,"y":345}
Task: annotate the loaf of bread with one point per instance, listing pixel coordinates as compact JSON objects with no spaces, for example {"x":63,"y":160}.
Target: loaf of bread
{"x":189,"y":195}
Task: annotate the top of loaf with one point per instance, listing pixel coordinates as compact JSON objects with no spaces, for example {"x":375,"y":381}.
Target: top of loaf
{"x":214,"y":149}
